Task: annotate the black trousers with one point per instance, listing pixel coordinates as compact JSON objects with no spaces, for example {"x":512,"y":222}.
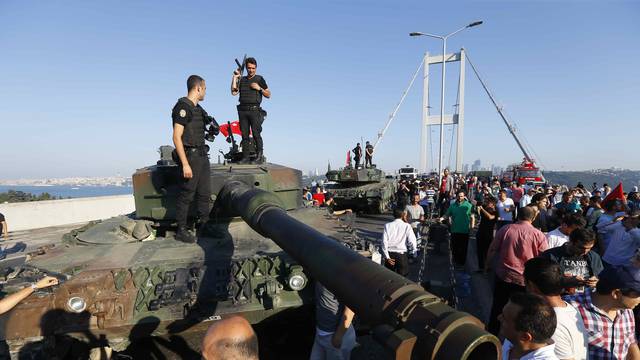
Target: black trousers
{"x":459,"y":244}
{"x":367,"y":161}
{"x":483,"y":240}
{"x":402,"y":263}
{"x":357,"y":160}
{"x":251,"y":122}
{"x":443,"y":202}
{"x":198,"y":187}
{"x":501,"y":293}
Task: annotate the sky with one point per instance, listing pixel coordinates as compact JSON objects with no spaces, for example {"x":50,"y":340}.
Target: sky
{"x":87,"y":88}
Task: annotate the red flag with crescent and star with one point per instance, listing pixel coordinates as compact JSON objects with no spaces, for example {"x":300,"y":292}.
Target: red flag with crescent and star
{"x":615,"y":194}
{"x":235,"y":128}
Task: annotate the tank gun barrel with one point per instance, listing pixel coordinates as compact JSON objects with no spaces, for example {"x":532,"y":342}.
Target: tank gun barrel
{"x":410,"y":322}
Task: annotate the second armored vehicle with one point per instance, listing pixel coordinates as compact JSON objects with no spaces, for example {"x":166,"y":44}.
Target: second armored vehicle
{"x":362,"y":189}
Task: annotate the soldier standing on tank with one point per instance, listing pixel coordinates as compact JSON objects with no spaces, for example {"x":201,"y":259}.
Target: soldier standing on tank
{"x":189,"y":126}
{"x":251,"y":89}
{"x":357,"y":154}
{"x":368,"y":155}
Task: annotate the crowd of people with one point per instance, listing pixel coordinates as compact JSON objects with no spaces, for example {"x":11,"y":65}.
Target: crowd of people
{"x":564,"y":262}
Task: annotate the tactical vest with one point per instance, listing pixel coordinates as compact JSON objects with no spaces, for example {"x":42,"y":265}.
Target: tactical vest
{"x":248,"y":96}
{"x":194,"y":131}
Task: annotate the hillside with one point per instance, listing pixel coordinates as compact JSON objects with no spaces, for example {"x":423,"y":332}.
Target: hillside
{"x":629,"y":178}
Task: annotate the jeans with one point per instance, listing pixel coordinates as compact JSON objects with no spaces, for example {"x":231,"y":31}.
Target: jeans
{"x":324,"y":350}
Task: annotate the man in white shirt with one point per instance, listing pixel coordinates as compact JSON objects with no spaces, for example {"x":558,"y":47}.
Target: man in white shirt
{"x":560,"y":235}
{"x":526,"y":198}
{"x":544,"y":277}
{"x":527,"y":323}
{"x":506,"y":208}
{"x":395,"y":237}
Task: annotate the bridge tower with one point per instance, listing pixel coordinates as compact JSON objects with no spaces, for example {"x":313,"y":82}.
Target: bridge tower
{"x":449,"y":120}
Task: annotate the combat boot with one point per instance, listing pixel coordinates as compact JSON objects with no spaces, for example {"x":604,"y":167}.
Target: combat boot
{"x":259,"y":157}
{"x":185,"y":235}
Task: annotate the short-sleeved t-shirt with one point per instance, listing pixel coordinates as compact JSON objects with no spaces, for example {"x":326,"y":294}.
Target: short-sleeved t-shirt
{"x":319,"y":197}
{"x":556,"y":238}
{"x":502,"y":214}
{"x":1,"y":217}
{"x":570,"y":336}
{"x":460,"y":217}
{"x":370,"y":150}
{"x":328,"y":309}
{"x":415,"y":212}
{"x":585,"y":266}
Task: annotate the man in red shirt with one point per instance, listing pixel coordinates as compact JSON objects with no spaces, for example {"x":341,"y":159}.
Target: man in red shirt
{"x":516,"y":195}
{"x":445,"y":191}
{"x":512,"y":246}
{"x":318,"y":197}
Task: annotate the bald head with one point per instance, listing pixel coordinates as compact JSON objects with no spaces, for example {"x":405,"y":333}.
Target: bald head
{"x":526,"y":213}
{"x":230,"y":339}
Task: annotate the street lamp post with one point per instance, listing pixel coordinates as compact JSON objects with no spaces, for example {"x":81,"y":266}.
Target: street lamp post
{"x":444,"y":52}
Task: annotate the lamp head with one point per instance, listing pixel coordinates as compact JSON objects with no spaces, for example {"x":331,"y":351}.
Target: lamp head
{"x":416,"y":34}
{"x":475,"y":23}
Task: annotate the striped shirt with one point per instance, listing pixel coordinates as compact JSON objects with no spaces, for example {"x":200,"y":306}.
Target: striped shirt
{"x":608,"y":339}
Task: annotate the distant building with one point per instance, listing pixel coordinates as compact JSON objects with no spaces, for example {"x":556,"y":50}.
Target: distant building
{"x":465,"y":168}
{"x":477,"y":165}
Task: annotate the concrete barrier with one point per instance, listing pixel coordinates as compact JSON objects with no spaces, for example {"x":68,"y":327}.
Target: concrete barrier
{"x":40,"y":214}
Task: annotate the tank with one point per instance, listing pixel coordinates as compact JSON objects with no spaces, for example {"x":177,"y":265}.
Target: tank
{"x":119,"y":273}
{"x":259,"y":256}
{"x":363,"y":189}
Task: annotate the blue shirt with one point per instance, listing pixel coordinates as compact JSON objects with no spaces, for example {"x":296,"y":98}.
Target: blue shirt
{"x":572,"y":207}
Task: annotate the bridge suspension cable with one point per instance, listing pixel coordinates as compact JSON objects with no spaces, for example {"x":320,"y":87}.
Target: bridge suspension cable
{"x":395,"y":111}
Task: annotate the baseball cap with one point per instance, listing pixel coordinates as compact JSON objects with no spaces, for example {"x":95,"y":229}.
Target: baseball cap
{"x":620,"y":277}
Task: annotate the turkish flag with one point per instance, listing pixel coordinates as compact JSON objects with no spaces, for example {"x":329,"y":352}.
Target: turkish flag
{"x":615,"y":194}
{"x":235,"y":128}
{"x":348,"y":157}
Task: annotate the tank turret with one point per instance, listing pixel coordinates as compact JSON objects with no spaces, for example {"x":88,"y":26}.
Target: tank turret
{"x":350,"y":175}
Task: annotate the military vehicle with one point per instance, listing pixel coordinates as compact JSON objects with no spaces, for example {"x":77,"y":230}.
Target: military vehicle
{"x":259,"y":254}
{"x":362,"y":189}
{"x":116,"y":273}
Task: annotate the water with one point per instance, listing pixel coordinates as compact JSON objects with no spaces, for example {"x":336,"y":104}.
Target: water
{"x":67,"y":191}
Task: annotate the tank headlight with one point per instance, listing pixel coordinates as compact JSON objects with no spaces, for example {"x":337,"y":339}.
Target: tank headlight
{"x":297,"y":282}
{"x":76,"y":304}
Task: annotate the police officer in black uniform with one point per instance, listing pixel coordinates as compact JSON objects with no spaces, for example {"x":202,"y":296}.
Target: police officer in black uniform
{"x":189,"y":127}
{"x":357,"y":154}
{"x":250,"y":115}
{"x":368,"y":155}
